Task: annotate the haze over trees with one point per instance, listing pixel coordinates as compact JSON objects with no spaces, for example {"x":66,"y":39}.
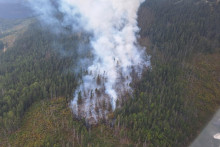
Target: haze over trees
{"x":1,"y":45}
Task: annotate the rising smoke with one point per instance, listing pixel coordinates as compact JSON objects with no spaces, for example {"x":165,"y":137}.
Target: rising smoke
{"x":117,"y":56}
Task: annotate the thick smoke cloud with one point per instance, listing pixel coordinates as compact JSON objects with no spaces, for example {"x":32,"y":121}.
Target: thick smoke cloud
{"x":117,"y":56}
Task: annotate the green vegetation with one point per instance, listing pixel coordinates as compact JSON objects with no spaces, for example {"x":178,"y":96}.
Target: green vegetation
{"x":29,"y":72}
{"x":174,"y":100}
{"x":50,"y":123}
{"x":170,"y":105}
{"x":205,"y":83}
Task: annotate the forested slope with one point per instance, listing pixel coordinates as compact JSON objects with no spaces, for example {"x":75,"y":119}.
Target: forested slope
{"x":174,"y":100}
{"x":50,"y":123}
{"x":31,"y":71}
{"x":170,"y":105}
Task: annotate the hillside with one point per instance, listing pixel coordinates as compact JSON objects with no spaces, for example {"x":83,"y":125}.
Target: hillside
{"x":10,"y":30}
{"x":170,"y":105}
{"x":50,"y":123}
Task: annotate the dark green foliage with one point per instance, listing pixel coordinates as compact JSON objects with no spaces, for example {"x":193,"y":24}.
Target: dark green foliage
{"x":162,"y":112}
{"x":29,"y":72}
{"x":183,"y":27}
{"x":156,"y":114}
{"x":79,"y":102}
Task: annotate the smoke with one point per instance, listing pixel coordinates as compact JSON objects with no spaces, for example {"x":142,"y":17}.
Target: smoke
{"x":117,"y":57}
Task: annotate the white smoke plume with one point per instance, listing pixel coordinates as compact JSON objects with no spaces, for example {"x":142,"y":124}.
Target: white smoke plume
{"x":117,"y":55}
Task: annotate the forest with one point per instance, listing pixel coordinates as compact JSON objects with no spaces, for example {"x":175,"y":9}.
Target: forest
{"x":170,"y":104}
{"x":32,"y":71}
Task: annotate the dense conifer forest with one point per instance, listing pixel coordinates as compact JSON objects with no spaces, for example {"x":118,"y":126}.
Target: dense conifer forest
{"x":170,"y":104}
